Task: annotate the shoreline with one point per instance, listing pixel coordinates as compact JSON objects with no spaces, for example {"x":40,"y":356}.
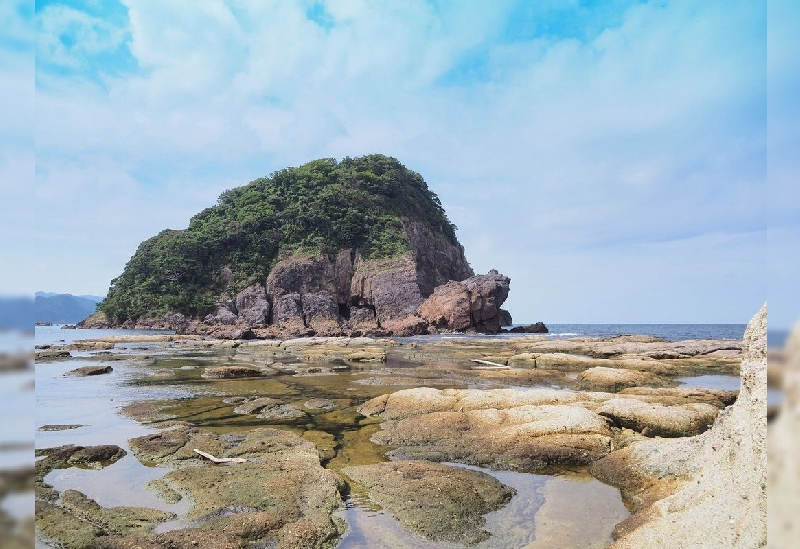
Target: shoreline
{"x":361,"y":367}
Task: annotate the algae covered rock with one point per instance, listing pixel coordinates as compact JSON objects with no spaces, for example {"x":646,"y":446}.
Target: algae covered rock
{"x":438,"y":502}
{"x":85,"y":371}
{"x":280,"y":494}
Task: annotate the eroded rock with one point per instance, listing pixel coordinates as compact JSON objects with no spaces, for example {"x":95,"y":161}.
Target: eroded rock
{"x":704,"y":491}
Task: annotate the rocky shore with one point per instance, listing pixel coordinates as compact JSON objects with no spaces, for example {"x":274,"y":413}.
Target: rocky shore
{"x":312,"y":297}
{"x":302,"y":423}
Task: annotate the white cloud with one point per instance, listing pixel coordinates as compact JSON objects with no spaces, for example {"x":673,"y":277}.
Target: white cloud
{"x":66,"y":36}
{"x":643,"y":133}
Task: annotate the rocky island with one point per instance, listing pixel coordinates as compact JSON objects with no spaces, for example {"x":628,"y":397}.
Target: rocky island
{"x":279,"y":408}
{"x":357,"y":247}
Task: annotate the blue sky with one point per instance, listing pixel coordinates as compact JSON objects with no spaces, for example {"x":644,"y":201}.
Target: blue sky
{"x":610,"y":157}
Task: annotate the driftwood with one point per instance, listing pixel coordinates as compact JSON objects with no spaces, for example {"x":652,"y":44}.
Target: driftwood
{"x":219,"y":460}
{"x":492,"y":365}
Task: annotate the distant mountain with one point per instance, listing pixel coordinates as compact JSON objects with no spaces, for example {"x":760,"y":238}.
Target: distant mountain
{"x":16,"y":313}
{"x":63,"y":308}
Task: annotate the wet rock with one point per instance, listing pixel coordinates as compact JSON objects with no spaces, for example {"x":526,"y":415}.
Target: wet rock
{"x":85,"y":371}
{"x":51,"y":354}
{"x":367,"y":354}
{"x":320,"y":405}
{"x":190,"y":538}
{"x":58,"y":427}
{"x":438,"y":502}
{"x":269,"y":408}
{"x":654,"y":419}
{"x":255,"y":405}
{"x":280,"y":412}
{"x":281,"y":495}
{"x":145,"y":412}
{"x":231,"y":372}
{"x":63,"y":457}
{"x":537,"y":328}
{"x":96,"y":457}
{"x":63,"y":529}
{"x":115,"y":520}
{"x":175,"y":446}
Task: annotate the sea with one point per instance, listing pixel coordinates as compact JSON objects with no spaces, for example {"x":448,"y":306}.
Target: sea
{"x":671,"y":332}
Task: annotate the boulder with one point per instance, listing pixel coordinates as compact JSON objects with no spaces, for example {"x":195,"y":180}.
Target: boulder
{"x":448,"y":307}
{"x":473,"y":303}
{"x":537,"y":328}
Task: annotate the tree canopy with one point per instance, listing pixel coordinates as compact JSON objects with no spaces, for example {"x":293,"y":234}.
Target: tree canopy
{"x":319,"y":208}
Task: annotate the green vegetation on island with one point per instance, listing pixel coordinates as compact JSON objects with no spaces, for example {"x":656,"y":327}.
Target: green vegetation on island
{"x":318,"y":208}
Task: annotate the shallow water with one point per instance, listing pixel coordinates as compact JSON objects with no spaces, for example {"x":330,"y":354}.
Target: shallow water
{"x":570,"y":509}
{"x":728,"y":383}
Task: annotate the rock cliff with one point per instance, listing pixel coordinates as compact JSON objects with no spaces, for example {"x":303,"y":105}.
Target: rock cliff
{"x":384,"y":260}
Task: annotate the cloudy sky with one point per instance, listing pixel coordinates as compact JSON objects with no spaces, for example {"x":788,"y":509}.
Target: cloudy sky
{"x":610,"y":157}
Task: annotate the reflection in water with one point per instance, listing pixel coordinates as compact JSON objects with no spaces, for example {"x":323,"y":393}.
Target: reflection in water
{"x":567,"y":510}
{"x":549,"y":512}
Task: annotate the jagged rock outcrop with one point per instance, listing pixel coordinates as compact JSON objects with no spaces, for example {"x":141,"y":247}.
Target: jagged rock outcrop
{"x":472,"y":303}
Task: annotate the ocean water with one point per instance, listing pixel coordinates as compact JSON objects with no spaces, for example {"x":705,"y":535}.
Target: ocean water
{"x":48,"y":335}
{"x":671,"y":332}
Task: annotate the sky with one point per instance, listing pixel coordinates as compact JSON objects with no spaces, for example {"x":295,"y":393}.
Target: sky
{"x":620,"y":161}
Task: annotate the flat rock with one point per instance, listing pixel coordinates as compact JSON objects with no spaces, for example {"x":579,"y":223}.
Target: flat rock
{"x":320,"y":405}
{"x":654,"y":419}
{"x":438,"y":502}
{"x":615,"y":379}
{"x":58,"y":427}
{"x":280,"y":497}
{"x":51,"y":354}
{"x":231,"y":372}
{"x":507,"y":429}
{"x":251,"y":406}
{"x":85,"y":371}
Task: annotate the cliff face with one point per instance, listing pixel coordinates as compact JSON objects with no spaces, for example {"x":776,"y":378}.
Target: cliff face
{"x":366,"y":265}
